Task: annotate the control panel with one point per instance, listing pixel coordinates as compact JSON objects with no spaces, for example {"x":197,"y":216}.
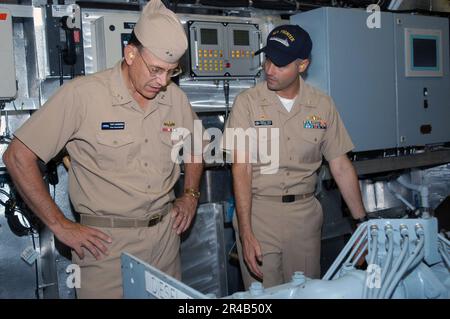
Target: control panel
{"x":112,"y":33}
{"x":219,"y":49}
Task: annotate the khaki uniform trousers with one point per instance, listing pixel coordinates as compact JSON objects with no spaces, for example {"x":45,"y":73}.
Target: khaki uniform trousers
{"x":289,"y":235}
{"x":158,"y":245}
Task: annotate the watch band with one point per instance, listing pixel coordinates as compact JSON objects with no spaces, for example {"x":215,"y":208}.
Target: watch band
{"x":192,"y":192}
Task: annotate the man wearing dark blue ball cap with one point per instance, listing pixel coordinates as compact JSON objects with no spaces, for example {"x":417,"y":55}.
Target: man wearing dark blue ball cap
{"x":278,"y":221}
{"x":286,"y":44}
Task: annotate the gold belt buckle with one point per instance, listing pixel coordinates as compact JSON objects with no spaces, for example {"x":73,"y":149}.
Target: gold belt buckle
{"x":154,"y":220}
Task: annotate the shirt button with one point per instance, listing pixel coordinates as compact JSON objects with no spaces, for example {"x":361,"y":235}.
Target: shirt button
{"x":287,"y":173}
{"x":288,"y":138}
{"x":146,"y":140}
{"x":290,"y":158}
{"x":145,"y":164}
{"x":148,"y":186}
{"x":114,"y":142}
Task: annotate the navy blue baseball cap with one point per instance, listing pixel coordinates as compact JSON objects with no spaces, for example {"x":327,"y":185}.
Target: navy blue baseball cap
{"x":287,"y":43}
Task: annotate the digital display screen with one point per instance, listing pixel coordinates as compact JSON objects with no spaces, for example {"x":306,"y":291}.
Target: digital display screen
{"x":209,"y":36}
{"x":241,"y":37}
{"x":424,"y":53}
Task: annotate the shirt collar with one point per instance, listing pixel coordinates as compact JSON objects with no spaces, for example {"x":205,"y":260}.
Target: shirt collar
{"x":304,"y":96}
{"x":121,"y":95}
{"x":119,"y":90}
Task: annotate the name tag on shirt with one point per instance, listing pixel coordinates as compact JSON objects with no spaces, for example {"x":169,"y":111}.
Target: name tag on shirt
{"x":263,"y":122}
{"x":113,"y":125}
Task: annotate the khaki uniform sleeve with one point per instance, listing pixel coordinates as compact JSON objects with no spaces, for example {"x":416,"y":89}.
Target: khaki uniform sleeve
{"x":240,"y":114}
{"x":194,"y":125}
{"x":238,"y":122}
{"x":48,"y":130}
{"x":336,"y":141}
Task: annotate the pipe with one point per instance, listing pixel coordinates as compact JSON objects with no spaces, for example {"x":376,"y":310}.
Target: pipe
{"x":385,"y":284}
{"x":355,"y":249}
{"x":423,"y":190}
{"x":372,"y":256}
{"x":444,"y":240}
{"x":390,"y":254}
{"x":332,"y":271}
{"x":400,"y":197}
{"x":445,"y":256}
{"x":416,"y":256}
{"x":359,"y":255}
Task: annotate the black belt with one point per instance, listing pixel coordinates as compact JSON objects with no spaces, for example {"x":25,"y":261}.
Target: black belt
{"x":285,"y":198}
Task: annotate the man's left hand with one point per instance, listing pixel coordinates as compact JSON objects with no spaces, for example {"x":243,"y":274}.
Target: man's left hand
{"x":183,"y":212}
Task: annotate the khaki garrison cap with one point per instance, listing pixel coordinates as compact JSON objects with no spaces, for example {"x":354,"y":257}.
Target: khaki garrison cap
{"x":160,"y":31}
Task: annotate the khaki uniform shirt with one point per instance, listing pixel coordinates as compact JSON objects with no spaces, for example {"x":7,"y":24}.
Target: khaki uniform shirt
{"x":311,"y":129}
{"x":120,"y":154}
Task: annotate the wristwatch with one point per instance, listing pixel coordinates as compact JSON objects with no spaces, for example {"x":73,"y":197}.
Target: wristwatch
{"x":192,"y":192}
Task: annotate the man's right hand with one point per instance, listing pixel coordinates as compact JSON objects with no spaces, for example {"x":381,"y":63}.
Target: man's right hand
{"x":252,"y":253}
{"x":78,"y":236}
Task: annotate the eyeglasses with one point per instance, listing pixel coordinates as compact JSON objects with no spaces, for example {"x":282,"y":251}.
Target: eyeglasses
{"x":157,"y":71}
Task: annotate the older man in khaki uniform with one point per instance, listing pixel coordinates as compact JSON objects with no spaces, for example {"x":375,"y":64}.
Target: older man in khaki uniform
{"x":279,"y":220}
{"x":117,"y":127}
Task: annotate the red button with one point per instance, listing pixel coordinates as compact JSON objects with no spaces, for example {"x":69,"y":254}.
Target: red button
{"x":228,"y":65}
{"x":76,"y":36}
{"x":3,"y":16}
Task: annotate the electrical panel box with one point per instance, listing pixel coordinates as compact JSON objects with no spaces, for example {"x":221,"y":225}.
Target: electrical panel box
{"x":390,"y":84}
{"x":112,"y":33}
{"x":423,"y":80}
{"x":8,"y":87}
{"x":355,"y":66}
{"x":64,"y":41}
{"x":224,"y":49}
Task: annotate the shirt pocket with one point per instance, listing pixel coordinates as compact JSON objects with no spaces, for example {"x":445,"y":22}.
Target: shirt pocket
{"x":266,"y":146}
{"x":168,"y":152}
{"x":310,"y":148}
{"x":114,"y":150}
